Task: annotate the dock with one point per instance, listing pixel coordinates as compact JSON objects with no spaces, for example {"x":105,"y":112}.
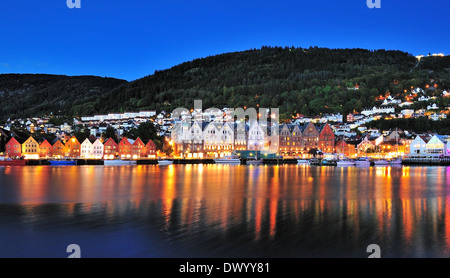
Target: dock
{"x":427,"y":161}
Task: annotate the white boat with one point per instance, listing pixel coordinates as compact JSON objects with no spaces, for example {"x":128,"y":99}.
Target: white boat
{"x":396,"y":161}
{"x":381,"y":162}
{"x":363,"y":162}
{"x":254,"y":162}
{"x":228,"y":160}
{"x":345,"y":162}
{"x":165,"y":162}
{"x":118,"y":162}
{"x":302,"y":161}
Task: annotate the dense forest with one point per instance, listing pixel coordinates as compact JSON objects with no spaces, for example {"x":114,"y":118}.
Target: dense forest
{"x":30,"y":95}
{"x":308,"y":81}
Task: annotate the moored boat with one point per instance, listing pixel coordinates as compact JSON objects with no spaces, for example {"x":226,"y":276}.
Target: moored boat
{"x":381,"y":162}
{"x":13,"y":162}
{"x":165,"y":162}
{"x":363,"y":162}
{"x":396,"y":161}
{"x":118,"y":162}
{"x":315,"y":161}
{"x":228,"y":160}
{"x":254,"y":162}
{"x":302,"y":161}
{"x":63,"y":162}
{"x":345,"y":162}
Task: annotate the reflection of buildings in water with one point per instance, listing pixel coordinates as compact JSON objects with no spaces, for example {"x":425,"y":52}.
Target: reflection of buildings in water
{"x":266,"y":202}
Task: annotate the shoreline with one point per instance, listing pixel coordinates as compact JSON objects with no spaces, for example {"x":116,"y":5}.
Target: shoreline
{"x":266,"y":161}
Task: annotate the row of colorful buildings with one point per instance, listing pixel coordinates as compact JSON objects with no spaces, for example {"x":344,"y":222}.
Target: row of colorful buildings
{"x":90,"y":148}
{"x":200,"y":139}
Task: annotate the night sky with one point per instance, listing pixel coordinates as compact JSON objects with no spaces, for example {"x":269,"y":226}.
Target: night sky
{"x":132,"y":39}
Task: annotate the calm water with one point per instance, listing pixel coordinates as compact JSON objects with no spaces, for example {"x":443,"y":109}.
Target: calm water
{"x":224,"y":211}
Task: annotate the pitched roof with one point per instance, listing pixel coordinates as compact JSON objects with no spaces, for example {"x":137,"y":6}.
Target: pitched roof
{"x":110,"y":139}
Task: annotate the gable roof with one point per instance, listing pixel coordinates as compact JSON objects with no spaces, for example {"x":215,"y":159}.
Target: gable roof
{"x":111,"y":140}
{"x":150,"y":142}
{"x":14,"y":139}
{"x":45,"y":140}
{"x":56,"y":140}
{"x":137,"y":141}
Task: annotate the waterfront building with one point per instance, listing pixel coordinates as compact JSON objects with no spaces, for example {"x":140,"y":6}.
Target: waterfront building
{"x":45,"y":149}
{"x":326,"y":139}
{"x":290,"y":140}
{"x":30,"y":148}
{"x":345,"y":148}
{"x":437,"y":144}
{"x":310,"y":138}
{"x":125,"y":148}
{"x":86,"y":148}
{"x":92,"y":148}
{"x":150,"y":147}
{"x":13,"y":148}
{"x":256,"y":136}
{"x":110,"y":149}
{"x":285,"y":135}
{"x":58,"y":149}
{"x":138,"y":149}
{"x":240,"y":136}
{"x":98,"y":149}
{"x":72,"y":148}
{"x":365,"y":144}
{"x":419,"y":145}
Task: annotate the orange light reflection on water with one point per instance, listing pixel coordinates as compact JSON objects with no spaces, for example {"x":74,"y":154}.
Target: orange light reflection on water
{"x":411,"y":199}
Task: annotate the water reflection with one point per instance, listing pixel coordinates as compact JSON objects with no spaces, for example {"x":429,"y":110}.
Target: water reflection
{"x":223,"y":210}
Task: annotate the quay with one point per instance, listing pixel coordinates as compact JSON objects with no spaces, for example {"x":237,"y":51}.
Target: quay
{"x":420,"y":161}
{"x":427,"y":160}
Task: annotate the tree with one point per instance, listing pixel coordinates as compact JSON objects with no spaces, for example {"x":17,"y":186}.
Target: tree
{"x":110,"y":132}
{"x":167,"y":148}
{"x":305,"y":110}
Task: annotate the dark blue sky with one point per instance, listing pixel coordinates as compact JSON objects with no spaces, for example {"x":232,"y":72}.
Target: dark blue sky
{"x":132,"y":39}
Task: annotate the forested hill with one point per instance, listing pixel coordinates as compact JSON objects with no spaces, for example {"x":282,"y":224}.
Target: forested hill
{"x":309,"y":81}
{"x":29,"y":95}
{"x":297,"y":80}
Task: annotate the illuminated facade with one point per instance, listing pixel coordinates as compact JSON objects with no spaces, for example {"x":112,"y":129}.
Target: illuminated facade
{"x":256,"y":137}
{"x":290,"y":140}
{"x":92,"y":148}
{"x":310,"y":138}
{"x":110,"y":149}
{"x":419,"y":145}
{"x":45,"y":149}
{"x":125,"y":148}
{"x":13,"y":148}
{"x":344,"y":148}
{"x":326,"y":139}
{"x":438,"y":144}
{"x":150,"y":147}
{"x":72,"y":148}
{"x":30,"y":148}
{"x":364,"y":145}
{"x":138,"y":149}
{"x":58,"y":149}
